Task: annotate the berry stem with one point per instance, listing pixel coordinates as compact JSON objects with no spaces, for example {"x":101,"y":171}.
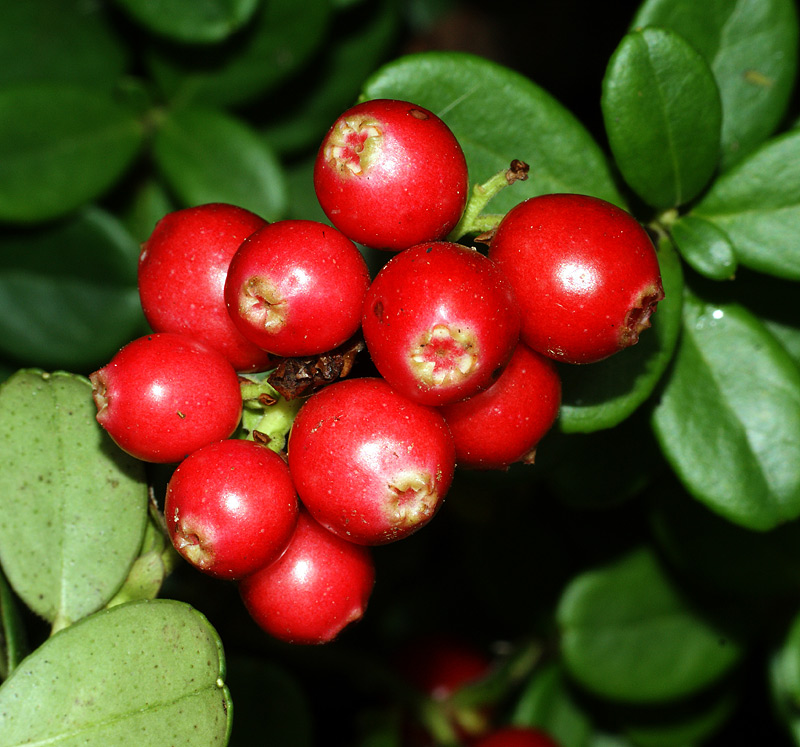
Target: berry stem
{"x":266,"y":415}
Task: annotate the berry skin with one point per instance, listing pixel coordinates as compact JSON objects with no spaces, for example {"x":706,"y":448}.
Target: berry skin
{"x":296,"y":287}
{"x":584,"y":271}
{"x":320,"y":585}
{"x":165,"y":395}
{"x":370,"y":465}
{"x":440,"y":322}
{"x":516,"y":736}
{"x":182,"y":269}
{"x":503,"y":424}
{"x":231,"y":508}
{"x":390,"y":174}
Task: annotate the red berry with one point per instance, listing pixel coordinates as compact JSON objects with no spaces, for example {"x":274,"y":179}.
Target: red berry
{"x":440,"y":322}
{"x":296,"y":287}
{"x":369,"y":464}
{"x":516,"y":736}
{"x":319,"y":586}
{"x":585,"y":274}
{"x":182,"y":269}
{"x":165,"y":395}
{"x":390,"y":174}
{"x":231,"y":508}
{"x":504,"y":423}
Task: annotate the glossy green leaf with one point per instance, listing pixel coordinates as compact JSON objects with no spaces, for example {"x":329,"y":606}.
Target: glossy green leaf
{"x":628,"y":633}
{"x":662,"y":114}
{"x":497,"y":116}
{"x":68,"y":292}
{"x":190,"y":20}
{"x":13,"y":644}
{"x":59,"y":41}
{"x":784,"y":679}
{"x":145,"y":673}
{"x":751,"y":47}
{"x":729,"y":416}
{"x":60,"y":147}
{"x":72,"y":505}
{"x":280,"y":39}
{"x":705,"y":247}
{"x":603,"y":394}
{"x":757,"y":205}
{"x":210,"y":156}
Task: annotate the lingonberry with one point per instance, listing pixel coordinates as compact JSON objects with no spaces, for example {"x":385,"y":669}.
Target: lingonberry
{"x":182,"y":270}
{"x":296,"y":287}
{"x":231,"y":508}
{"x":504,"y":423}
{"x":165,"y":395}
{"x":516,"y":736}
{"x":585,"y":274}
{"x":440,"y":322}
{"x":390,"y":174}
{"x":369,"y":464}
{"x":319,"y":586}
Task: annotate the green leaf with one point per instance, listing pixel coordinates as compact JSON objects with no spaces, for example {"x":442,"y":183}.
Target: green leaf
{"x":59,"y":41}
{"x":705,"y":247}
{"x":729,"y":416}
{"x":662,"y":113}
{"x":784,"y":679}
{"x":281,"y":38}
{"x":210,"y":156}
{"x":499,"y":115}
{"x":751,"y":47}
{"x":72,"y":505}
{"x":757,"y":205}
{"x":603,"y":394}
{"x":628,"y":633}
{"x":60,"y":147}
{"x":68,"y":292}
{"x":13,"y":644}
{"x":190,"y":20}
{"x":145,"y":673}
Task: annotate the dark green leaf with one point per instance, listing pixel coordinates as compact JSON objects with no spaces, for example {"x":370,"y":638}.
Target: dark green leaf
{"x":59,"y":41}
{"x":705,"y":247}
{"x":629,"y":634}
{"x":210,"y":156}
{"x":784,"y":675}
{"x":68,"y":292}
{"x":281,"y":38}
{"x":145,"y":673}
{"x":603,"y":394}
{"x":190,"y":20}
{"x":757,"y":205}
{"x":751,"y":47}
{"x":149,"y":203}
{"x":72,"y":505}
{"x":61,"y":147}
{"x":662,"y":113}
{"x":729,"y":417}
{"x":498,"y":115}
{"x":12,"y":633}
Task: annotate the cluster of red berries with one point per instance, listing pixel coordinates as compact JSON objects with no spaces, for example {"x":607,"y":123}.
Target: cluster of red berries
{"x":464,"y":346}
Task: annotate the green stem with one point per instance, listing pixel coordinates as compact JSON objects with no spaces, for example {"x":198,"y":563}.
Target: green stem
{"x":266,"y":412}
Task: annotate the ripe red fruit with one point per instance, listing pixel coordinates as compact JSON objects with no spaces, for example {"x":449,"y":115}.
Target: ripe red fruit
{"x":182,"y":269}
{"x":296,"y":287}
{"x":165,"y":395}
{"x":390,"y":174}
{"x":231,"y":508}
{"x":504,"y":423}
{"x":440,"y":322}
{"x":585,"y":274}
{"x":516,"y":736}
{"x":320,"y":585}
{"x":369,"y":464}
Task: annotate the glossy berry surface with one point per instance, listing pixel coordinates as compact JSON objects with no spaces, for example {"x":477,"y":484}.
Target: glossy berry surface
{"x":296,"y":287}
{"x":182,"y":270}
{"x":165,"y":395}
{"x":440,"y":322}
{"x":231,"y":508}
{"x":319,"y":586}
{"x":390,"y":174}
{"x":516,"y":736}
{"x":369,"y":464}
{"x":503,"y":424}
{"x":585,"y":273}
